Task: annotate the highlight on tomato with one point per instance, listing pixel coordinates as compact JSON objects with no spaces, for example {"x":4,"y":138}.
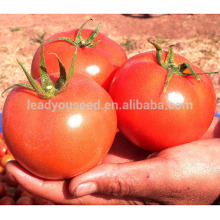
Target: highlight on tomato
{"x":160,"y":85}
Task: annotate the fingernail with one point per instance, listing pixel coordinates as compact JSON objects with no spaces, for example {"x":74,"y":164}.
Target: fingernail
{"x":85,"y":189}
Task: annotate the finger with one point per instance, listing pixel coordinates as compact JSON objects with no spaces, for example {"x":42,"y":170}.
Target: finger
{"x":156,"y":178}
{"x":97,"y":199}
{"x":56,"y":191}
{"x":136,"y":179}
{"x":214,"y":129}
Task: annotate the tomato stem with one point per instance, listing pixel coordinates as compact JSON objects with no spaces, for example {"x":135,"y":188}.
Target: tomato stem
{"x":47,"y":89}
{"x":45,"y":79}
{"x":172,"y":67}
{"x":79,"y":42}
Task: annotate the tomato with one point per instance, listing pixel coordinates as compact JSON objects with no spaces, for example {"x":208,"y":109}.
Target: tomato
{"x":63,"y":142}
{"x":161,"y":125}
{"x":8,"y":151}
{"x":10,"y":181}
{"x":1,"y":137}
{"x":10,"y":191}
{"x":5,"y":159}
{"x":23,"y":200}
{"x":6,"y":200}
{"x":27,"y":194}
{"x":98,"y":62}
{"x":2,"y":170}
{"x":19,"y":190}
{"x":41,"y":201}
{"x":3,"y":149}
{"x":2,"y":189}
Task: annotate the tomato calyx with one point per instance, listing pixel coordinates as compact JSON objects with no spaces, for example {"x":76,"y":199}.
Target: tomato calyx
{"x":172,"y":67}
{"x":79,"y":42}
{"x":47,"y":89}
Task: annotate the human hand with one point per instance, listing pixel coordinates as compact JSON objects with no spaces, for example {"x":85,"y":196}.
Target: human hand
{"x":186,"y":174}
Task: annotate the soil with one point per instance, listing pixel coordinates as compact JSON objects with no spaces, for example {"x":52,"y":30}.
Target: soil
{"x":196,"y":36}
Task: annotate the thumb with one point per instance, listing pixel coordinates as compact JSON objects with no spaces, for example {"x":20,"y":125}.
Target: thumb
{"x":138,"y":179}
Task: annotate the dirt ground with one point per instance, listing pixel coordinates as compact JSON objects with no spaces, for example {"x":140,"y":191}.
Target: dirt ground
{"x":197,"y":37}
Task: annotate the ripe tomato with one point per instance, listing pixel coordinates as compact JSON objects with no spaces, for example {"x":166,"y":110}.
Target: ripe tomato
{"x":25,"y":193}
{"x":1,"y":137}
{"x":2,"y":189}
{"x":3,"y":148}
{"x":8,"y":151}
{"x":10,"y":191}
{"x":19,"y":190}
{"x":23,"y":200}
{"x":6,"y":200}
{"x":10,"y":181}
{"x":63,"y":142}
{"x":2,"y":170}
{"x":98,"y":62}
{"x":142,"y":78}
{"x":5,"y":159}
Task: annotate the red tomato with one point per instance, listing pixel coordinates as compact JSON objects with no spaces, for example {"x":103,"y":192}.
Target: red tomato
{"x":143,"y":79}
{"x":2,"y":170}
{"x":10,"y":191}
{"x":19,"y":190}
{"x":27,"y":194}
{"x":6,"y":200}
{"x":41,"y":201}
{"x":98,"y":63}
{"x":2,"y":189}
{"x":1,"y":137}
{"x":8,"y":151}
{"x":3,"y":148}
{"x":10,"y":181}
{"x":5,"y":159}
{"x":24,"y":201}
{"x":61,"y":143}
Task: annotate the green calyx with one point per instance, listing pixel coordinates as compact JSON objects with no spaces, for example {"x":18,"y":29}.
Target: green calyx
{"x":172,"y":67}
{"x":47,"y":89}
{"x":79,"y":42}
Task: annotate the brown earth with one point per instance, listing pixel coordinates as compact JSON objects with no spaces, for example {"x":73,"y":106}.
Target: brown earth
{"x":197,"y":37}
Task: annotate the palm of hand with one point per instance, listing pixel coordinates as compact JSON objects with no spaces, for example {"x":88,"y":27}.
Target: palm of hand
{"x":186,"y":174}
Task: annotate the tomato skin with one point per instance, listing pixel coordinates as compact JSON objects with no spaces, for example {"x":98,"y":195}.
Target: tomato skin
{"x":2,"y":189}
{"x":6,"y":200}
{"x":62,"y":143}
{"x":1,"y":178}
{"x":2,"y":170}
{"x":23,"y":200}
{"x":142,"y":79}
{"x":27,"y":194}
{"x":11,"y":191}
{"x":3,"y":149}
{"x":8,"y":151}
{"x":5,"y":159}
{"x":7,"y":179}
{"x":98,"y":63}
